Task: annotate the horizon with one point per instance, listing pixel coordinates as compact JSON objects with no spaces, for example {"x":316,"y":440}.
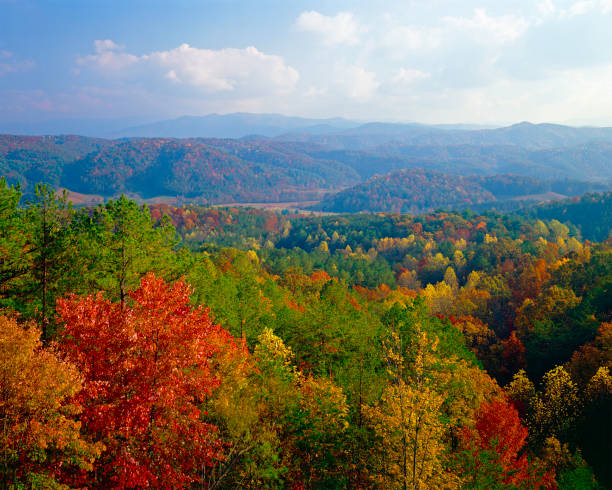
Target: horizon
{"x":122,"y":126}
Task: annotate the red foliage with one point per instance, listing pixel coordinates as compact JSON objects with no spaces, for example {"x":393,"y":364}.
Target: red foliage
{"x":294,"y":306}
{"x":499,"y":431}
{"x":146,"y":370}
{"x":320,"y":276}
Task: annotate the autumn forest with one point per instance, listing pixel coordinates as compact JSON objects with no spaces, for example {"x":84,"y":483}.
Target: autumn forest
{"x":305,"y":245}
{"x":195,"y":347}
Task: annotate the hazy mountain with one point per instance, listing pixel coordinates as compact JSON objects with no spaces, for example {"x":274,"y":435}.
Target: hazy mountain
{"x":235,"y":125}
{"x":98,"y":128}
{"x":525,"y":135}
{"x":334,"y":133}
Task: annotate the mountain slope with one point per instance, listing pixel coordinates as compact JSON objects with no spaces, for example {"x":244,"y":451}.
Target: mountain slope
{"x":31,"y":159}
{"x":585,"y":162}
{"x":592,"y":214}
{"x":417,"y":190}
{"x":212,"y":170}
{"x":272,"y":170}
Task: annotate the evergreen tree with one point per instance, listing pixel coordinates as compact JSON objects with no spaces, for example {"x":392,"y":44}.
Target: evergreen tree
{"x":123,"y":244}
{"x":48,"y":255}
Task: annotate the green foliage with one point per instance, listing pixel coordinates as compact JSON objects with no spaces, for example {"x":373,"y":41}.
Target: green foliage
{"x":12,"y":238}
{"x":305,"y":399}
{"x":120,"y":243}
{"x":592,"y":214}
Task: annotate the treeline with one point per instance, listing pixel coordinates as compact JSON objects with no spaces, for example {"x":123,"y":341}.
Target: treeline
{"x":208,"y":366}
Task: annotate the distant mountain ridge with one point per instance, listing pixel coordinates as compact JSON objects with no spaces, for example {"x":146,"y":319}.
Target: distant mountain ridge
{"x":336,"y":133}
{"x":524,"y":135}
{"x":235,"y":125}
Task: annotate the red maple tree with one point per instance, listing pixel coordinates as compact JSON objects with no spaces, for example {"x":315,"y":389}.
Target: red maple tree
{"x":147,"y":369}
{"x":494,"y":447}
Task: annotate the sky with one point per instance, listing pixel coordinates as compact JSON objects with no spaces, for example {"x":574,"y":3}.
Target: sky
{"x":429,"y":61}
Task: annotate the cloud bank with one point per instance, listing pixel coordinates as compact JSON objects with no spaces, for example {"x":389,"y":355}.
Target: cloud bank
{"x":225,"y":70}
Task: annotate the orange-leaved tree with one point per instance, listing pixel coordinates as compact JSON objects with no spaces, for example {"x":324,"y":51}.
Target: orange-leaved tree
{"x":147,"y":370}
{"x":41,"y":445}
{"x":493,"y":451}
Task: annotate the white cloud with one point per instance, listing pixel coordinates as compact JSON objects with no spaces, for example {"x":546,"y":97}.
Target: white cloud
{"x":486,"y":29}
{"x":102,"y":45}
{"x":407,"y":77}
{"x":339,"y":29}
{"x":587,"y":6}
{"x":412,"y":38}
{"x":315,"y":91}
{"x":223,"y":70}
{"x":109,"y":57}
{"x":546,"y":8}
{"x":9,"y":64}
{"x":357,"y":81}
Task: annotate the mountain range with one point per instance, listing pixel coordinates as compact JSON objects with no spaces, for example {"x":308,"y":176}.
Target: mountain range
{"x":272,"y":158}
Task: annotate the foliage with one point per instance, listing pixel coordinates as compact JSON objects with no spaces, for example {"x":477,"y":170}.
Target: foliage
{"x":41,"y":444}
{"x":147,"y":368}
{"x":491,"y":451}
{"x":335,"y":330}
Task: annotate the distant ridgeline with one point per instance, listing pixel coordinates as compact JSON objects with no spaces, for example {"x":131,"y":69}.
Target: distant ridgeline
{"x":436,"y":168}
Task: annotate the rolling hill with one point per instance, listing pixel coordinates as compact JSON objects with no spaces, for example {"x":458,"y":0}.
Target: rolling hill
{"x":417,"y":191}
{"x":591,"y":214}
{"x":214,"y":170}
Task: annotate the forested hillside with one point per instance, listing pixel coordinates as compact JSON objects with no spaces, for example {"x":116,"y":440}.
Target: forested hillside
{"x":207,"y":170}
{"x":217,"y":171}
{"x":592,"y":214}
{"x":28,"y":160}
{"x":586,"y":162}
{"x":418,"y":190}
{"x":192,"y":347}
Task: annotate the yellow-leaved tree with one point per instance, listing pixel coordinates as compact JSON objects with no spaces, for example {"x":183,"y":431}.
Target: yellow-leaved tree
{"x":41,"y":445}
{"x":408,"y":421}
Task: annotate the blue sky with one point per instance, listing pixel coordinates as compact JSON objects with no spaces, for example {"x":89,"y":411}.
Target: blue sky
{"x":430,"y":61}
